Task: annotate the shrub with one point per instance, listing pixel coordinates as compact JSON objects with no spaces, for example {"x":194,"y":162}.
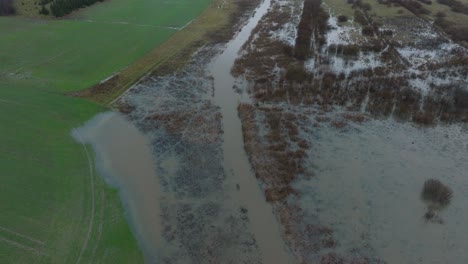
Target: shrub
{"x":414,"y":7}
{"x":368,"y":31}
{"x":60,"y":8}
{"x":346,"y":50}
{"x":360,"y":18}
{"x":427,"y":2}
{"x":44,"y":11}
{"x":313,"y":25}
{"x":461,"y":99}
{"x":296,"y":74}
{"x":288,"y":50}
{"x":350,"y":50}
{"x":342,"y":18}
{"x":424,"y":118}
{"x":387,"y":32}
{"x":436,"y":193}
{"x":455,"y":6}
{"x":366,"y":7}
{"x":277,"y":194}
{"x":457,"y":33}
{"x":441,"y":14}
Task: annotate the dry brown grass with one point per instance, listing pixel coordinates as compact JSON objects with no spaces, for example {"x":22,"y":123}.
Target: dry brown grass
{"x":339,"y":124}
{"x":423,"y":118}
{"x":276,"y":194}
{"x":355,"y":117}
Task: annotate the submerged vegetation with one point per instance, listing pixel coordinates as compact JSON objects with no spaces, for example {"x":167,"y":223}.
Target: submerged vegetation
{"x":436,"y":193}
{"x":437,"y":196}
{"x":375,"y":60}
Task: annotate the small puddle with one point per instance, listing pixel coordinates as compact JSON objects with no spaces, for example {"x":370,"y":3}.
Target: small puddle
{"x":124,"y":159}
{"x":262,"y":221}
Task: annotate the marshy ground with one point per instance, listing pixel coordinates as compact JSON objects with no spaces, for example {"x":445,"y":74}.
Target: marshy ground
{"x":346,"y":109}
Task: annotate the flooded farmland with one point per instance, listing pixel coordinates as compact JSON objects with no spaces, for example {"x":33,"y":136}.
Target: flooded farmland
{"x":312,"y":160}
{"x":210,"y":207}
{"x":368,"y":184}
{"x":124,"y":159}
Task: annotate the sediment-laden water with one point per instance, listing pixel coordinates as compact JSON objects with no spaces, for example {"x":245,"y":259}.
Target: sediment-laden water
{"x":124,"y":159}
{"x":368,"y":184}
{"x":206,"y":205}
{"x":262,"y":222}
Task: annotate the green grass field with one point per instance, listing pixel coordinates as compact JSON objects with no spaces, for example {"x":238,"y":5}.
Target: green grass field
{"x":53,"y":209}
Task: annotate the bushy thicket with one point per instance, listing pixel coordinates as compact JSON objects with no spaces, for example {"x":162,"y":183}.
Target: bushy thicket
{"x":456,"y":32}
{"x":60,"y":8}
{"x":436,"y":192}
{"x":427,"y":2}
{"x":342,"y":18}
{"x":6,"y":7}
{"x":414,"y":7}
{"x":313,"y":25}
{"x":455,"y":6}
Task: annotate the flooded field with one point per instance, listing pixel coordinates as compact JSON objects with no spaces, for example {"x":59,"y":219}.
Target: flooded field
{"x":124,"y":159}
{"x":262,"y":222}
{"x":210,"y":208}
{"x":368,"y":184}
{"x":311,"y":159}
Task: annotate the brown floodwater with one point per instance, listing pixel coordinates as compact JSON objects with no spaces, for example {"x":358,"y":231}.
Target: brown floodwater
{"x":124,"y":159}
{"x":263,"y":224}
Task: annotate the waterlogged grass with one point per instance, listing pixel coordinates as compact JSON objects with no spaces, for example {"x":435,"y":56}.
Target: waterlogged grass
{"x":48,"y":214}
{"x":46,"y":191}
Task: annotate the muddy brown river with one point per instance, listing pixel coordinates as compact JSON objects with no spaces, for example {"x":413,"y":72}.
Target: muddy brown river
{"x":124,"y":157}
{"x":263,"y":223}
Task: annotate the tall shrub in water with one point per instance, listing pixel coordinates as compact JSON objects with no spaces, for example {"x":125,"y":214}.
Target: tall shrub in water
{"x":435,"y":193}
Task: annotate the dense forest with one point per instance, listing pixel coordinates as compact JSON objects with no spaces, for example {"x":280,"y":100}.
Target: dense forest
{"x":6,"y":7}
{"x":60,"y":8}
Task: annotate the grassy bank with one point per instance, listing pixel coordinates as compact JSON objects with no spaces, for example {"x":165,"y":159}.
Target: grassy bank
{"x":54,"y":210}
{"x":176,"y":51}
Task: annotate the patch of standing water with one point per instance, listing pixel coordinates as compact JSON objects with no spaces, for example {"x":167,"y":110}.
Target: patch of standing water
{"x":364,"y":61}
{"x":263,"y":223}
{"x":339,"y":34}
{"x":368,"y":185}
{"x":124,"y":159}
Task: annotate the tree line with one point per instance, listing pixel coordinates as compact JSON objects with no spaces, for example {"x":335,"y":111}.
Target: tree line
{"x":7,"y":8}
{"x":61,"y":8}
{"x":313,"y":25}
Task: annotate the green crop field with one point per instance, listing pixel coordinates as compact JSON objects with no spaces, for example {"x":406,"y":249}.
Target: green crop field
{"x":54,"y":208}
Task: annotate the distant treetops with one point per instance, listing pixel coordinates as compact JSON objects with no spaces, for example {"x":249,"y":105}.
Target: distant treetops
{"x":60,"y":8}
{"x":6,"y":8}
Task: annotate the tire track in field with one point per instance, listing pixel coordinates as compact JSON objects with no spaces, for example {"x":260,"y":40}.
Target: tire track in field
{"x":42,"y":243}
{"x":93,"y":201}
{"x":101,"y":223}
{"x":127,"y":23}
{"x":19,"y":245}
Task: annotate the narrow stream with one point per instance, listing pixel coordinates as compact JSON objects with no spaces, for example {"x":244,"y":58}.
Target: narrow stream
{"x":263,"y":223}
{"x":124,"y":159}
